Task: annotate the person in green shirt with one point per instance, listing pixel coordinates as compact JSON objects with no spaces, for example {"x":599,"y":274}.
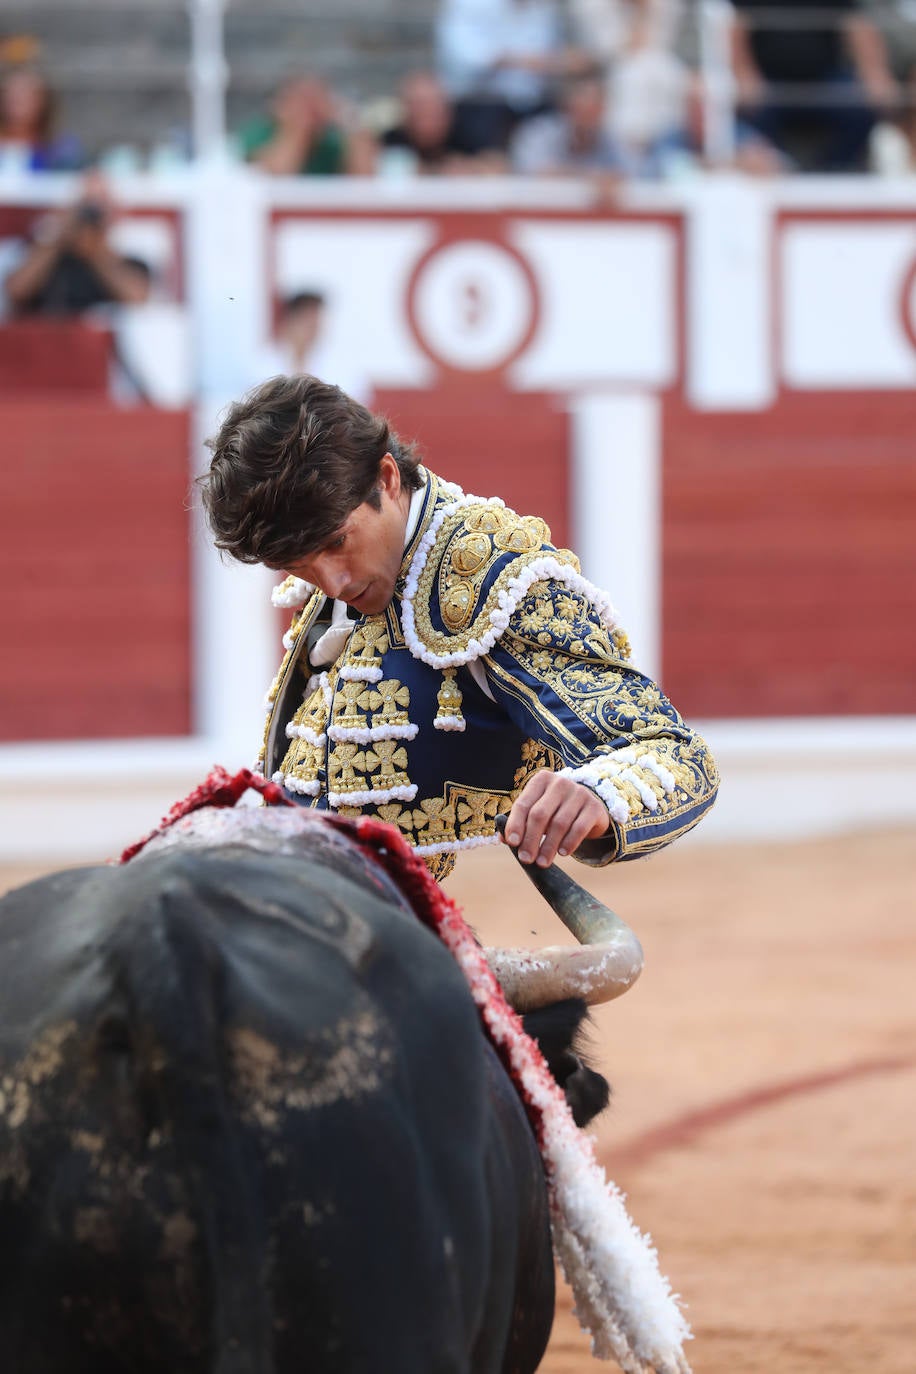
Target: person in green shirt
{"x":302,"y":135}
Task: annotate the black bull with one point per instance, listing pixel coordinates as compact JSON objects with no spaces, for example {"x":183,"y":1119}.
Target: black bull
{"x":249,"y":1124}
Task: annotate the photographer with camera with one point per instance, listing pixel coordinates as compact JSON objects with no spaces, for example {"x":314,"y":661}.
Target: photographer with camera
{"x":68,"y":266}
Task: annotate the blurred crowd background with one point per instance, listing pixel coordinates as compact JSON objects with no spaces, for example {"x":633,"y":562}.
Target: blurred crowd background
{"x":624,"y":88}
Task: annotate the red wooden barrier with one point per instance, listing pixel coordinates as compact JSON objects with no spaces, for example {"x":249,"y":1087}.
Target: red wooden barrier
{"x":94,"y":563}
{"x":789,"y":575}
{"x":492,"y":443}
{"x":41,"y":356}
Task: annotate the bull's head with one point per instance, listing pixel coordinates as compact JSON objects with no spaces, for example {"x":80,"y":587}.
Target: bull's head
{"x":606,"y":962}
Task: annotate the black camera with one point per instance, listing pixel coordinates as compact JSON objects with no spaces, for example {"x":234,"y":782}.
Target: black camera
{"x":90,"y":214}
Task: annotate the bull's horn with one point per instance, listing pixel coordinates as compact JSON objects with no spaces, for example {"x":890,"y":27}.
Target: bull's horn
{"x":607,"y":961}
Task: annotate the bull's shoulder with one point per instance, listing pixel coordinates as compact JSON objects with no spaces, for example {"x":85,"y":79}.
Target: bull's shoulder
{"x":325,"y":843}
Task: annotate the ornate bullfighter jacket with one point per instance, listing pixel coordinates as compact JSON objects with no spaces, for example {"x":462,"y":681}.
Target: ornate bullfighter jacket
{"x":494,"y":659}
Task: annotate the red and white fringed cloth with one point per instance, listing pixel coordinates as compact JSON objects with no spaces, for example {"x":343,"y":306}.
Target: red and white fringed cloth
{"x":218,"y":788}
{"x":621,"y":1297}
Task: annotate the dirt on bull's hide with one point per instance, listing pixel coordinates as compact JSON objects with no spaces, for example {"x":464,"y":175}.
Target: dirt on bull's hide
{"x":764,"y":1072}
{"x":19,"y":1081}
{"x":354,"y":1065}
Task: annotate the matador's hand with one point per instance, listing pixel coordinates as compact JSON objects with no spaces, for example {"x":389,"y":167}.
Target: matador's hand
{"x":552,"y":815}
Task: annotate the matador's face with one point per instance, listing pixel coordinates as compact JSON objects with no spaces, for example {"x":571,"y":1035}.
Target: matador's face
{"x":360,"y":562}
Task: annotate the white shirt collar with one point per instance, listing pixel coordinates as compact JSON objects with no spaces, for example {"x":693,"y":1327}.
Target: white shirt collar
{"x":416,"y":506}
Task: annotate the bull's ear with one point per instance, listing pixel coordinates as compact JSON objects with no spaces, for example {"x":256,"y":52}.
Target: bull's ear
{"x":558,"y":1030}
{"x":587,"y":1092}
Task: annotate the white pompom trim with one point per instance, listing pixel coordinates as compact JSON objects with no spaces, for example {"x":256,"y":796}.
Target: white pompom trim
{"x":294,"y":784}
{"x":665,"y":777}
{"x":602,"y":774}
{"x":646,"y":795}
{"x":291,"y":593}
{"x":370,"y":734}
{"x":307,"y":733}
{"x":372,"y":796}
{"x":452,"y":846}
{"x":357,"y":673}
{"x":449,"y":723}
{"x":615,"y":803}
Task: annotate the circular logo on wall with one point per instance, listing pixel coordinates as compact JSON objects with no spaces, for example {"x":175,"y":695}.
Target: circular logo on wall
{"x":473,"y":305}
{"x":908,"y":303}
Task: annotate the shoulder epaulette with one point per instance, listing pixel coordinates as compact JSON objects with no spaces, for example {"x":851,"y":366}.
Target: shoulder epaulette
{"x":475,"y":563}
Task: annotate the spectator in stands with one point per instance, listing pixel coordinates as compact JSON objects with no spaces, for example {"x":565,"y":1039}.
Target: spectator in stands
{"x":432,"y":136}
{"x":499,"y":61}
{"x":813,"y":87}
{"x":301,"y":345}
{"x":893,"y":144}
{"x":573,"y":141}
{"x":27,"y":138}
{"x":68,"y":266}
{"x":635,"y":42}
{"x":307,"y":133}
{"x":683,"y":149}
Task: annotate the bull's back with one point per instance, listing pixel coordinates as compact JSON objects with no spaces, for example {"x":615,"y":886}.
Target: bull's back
{"x":253,"y":1129}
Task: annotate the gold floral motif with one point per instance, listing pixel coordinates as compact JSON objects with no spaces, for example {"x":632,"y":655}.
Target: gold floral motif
{"x":535,"y":757}
{"x":649,"y":698}
{"x":396,"y":814}
{"x":531,"y":621}
{"x":476,"y":812}
{"x":353,"y":768}
{"x":369,"y":643}
{"x":435,"y":821}
{"x":304,"y":760}
{"x":388,"y":759}
{"x":622,"y":644}
{"x":348,"y":712}
{"x":346,"y":768}
{"x":439,"y":865}
{"x":393,"y":698}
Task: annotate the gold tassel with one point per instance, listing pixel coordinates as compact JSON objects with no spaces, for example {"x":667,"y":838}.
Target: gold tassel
{"x":449,"y":698}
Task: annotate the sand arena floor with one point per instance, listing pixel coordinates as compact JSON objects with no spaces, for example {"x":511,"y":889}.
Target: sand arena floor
{"x":764,"y":1071}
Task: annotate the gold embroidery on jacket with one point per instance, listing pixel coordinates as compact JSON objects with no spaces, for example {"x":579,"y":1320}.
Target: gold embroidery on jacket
{"x":536,"y":756}
{"x":300,"y":621}
{"x":368,"y":644}
{"x":440,"y":865}
{"x":470,"y":542}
